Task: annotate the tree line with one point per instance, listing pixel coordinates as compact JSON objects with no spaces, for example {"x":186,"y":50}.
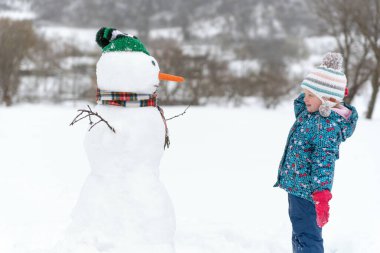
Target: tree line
{"x":269,"y":34}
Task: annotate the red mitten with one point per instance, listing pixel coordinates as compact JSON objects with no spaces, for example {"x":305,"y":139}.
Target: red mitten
{"x":321,"y":200}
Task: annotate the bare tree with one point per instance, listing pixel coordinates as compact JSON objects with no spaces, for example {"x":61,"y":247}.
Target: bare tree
{"x":339,"y":17}
{"x":367,"y":17}
{"x":205,"y":77}
{"x":16,"y":40}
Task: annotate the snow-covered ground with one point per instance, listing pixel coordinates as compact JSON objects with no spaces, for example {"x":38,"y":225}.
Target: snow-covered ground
{"x":219,"y":171}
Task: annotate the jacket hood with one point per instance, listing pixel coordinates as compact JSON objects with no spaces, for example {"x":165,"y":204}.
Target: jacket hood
{"x":347,"y":126}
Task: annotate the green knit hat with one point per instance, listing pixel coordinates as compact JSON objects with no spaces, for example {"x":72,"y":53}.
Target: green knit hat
{"x":112,"y":40}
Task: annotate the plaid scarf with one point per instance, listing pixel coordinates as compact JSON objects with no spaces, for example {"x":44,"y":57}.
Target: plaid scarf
{"x":125,"y":99}
{"x":131,"y":100}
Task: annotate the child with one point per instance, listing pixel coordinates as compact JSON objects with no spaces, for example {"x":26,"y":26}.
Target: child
{"x":306,"y":170}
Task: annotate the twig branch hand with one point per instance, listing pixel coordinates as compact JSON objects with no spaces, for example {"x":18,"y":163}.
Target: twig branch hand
{"x":179,"y":114}
{"x":89,"y":114}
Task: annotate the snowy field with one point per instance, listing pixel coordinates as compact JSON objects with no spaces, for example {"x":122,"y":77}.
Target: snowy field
{"x":219,"y":172}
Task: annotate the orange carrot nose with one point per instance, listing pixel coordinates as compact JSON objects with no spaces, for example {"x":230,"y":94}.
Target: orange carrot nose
{"x":168,"y":77}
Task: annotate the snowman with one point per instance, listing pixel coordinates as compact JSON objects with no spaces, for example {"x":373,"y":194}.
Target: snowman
{"x":123,"y":206}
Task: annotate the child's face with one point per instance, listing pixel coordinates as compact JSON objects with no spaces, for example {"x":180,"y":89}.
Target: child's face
{"x":312,"y":101}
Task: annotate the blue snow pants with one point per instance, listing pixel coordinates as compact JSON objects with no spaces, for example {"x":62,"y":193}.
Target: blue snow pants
{"x":306,"y":235}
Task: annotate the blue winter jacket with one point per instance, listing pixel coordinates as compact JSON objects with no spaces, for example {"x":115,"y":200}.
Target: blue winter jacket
{"x":311,"y":150}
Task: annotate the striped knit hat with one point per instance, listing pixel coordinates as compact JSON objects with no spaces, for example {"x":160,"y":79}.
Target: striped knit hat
{"x":327,"y":80}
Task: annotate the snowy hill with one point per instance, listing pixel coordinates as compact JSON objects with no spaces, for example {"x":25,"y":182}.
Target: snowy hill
{"x":219,"y":172}
{"x":16,"y":9}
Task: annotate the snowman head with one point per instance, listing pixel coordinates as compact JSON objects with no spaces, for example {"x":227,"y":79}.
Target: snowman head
{"x":126,"y":65}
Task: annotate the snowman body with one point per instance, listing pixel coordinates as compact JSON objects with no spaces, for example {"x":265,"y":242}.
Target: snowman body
{"x":123,"y":206}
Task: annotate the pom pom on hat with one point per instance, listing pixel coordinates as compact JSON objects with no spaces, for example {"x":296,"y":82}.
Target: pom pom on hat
{"x":327,"y":80}
{"x":333,"y":61}
{"x":112,"y":40}
{"x":103,"y":36}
